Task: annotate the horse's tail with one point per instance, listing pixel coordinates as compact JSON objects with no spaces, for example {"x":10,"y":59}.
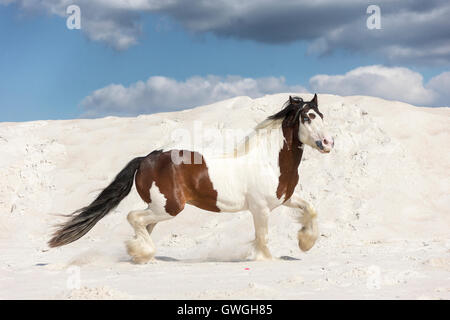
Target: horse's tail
{"x":85,"y":218}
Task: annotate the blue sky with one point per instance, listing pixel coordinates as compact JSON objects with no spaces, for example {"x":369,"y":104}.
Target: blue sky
{"x":50,"y":72}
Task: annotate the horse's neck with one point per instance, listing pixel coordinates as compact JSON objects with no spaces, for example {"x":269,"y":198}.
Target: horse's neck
{"x":289,"y":159}
{"x":274,"y":145}
{"x":264,"y":143}
{"x":279,"y":144}
{"x":270,"y":154}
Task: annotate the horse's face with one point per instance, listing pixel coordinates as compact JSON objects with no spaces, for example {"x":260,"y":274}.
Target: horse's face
{"x":312,"y":130}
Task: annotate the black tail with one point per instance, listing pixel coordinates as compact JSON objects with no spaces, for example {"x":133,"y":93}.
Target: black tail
{"x":85,"y":218}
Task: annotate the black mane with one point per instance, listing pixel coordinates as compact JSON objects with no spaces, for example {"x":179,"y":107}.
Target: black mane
{"x":288,"y":107}
{"x":291,"y":108}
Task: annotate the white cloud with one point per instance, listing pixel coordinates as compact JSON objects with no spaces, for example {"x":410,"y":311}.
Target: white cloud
{"x":390,"y":83}
{"x":159,"y":94}
{"x":441,"y":85}
{"x":113,"y":22}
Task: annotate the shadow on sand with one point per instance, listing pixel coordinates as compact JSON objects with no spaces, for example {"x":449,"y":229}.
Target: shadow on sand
{"x":200,"y":260}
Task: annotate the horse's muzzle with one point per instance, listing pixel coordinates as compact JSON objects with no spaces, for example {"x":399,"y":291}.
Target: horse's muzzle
{"x":325,"y":145}
{"x":319,"y":144}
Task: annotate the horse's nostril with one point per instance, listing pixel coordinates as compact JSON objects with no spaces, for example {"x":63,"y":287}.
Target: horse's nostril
{"x":328,"y":142}
{"x":319,"y":144}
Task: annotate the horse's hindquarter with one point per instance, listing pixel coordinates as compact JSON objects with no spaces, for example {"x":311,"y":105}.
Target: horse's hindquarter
{"x":179,"y":183}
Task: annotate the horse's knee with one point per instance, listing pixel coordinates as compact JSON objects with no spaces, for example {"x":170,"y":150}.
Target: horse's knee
{"x":134,"y":218}
{"x":131,"y":217}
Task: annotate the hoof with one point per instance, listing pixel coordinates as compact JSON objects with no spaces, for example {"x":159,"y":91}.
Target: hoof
{"x":306,"y":239}
{"x":263,"y":254}
{"x":263,"y":257}
{"x":140,"y":251}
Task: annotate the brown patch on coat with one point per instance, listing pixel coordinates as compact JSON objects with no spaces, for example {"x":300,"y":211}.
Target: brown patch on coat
{"x":179,"y":183}
{"x":289,"y":158}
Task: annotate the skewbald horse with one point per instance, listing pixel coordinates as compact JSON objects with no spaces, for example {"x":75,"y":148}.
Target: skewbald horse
{"x":259,"y":180}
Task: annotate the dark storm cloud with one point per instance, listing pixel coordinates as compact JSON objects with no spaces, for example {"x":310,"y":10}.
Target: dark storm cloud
{"x":411,"y":30}
{"x":265,"y":21}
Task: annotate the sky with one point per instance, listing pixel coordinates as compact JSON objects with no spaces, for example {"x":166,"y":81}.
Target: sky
{"x":133,"y":57}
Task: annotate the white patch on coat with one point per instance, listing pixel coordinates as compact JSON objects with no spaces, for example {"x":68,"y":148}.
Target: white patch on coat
{"x":157,"y":202}
{"x":313,"y":130}
{"x":141,"y":248}
{"x":250,"y":178}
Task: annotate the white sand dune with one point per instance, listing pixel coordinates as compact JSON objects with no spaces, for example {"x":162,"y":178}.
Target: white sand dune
{"x":382,"y":196}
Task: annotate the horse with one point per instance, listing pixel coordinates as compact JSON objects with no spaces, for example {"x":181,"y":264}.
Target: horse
{"x":258,"y":179}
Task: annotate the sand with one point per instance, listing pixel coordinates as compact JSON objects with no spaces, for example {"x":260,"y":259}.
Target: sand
{"x":382,"y":196}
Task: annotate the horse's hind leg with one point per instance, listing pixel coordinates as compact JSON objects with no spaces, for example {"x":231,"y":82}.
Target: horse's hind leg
{"x":141,"y":247}
{"x":150,"y":228}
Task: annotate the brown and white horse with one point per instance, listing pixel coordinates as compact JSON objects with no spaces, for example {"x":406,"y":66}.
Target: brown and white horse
{"x":259,"y":179}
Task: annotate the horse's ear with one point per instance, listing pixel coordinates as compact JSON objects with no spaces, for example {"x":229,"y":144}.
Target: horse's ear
{"x":314,"y":100}
{"x":291,"y":100}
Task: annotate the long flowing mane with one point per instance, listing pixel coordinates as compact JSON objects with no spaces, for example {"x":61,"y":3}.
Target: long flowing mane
{"x":290,"y":110}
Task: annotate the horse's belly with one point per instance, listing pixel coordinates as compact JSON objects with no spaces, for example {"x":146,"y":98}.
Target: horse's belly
{"x":240,"y":186}
{"x":230,"y":183}
{"x":230,"y":194}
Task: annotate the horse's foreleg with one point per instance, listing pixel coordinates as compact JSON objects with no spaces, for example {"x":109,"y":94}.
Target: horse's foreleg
{"x":261,"y":221}
{"x":141,"y":248}
{"x":309,"y":232}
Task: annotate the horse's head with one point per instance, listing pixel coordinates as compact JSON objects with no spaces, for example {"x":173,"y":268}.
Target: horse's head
{"x":312,"y":130}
